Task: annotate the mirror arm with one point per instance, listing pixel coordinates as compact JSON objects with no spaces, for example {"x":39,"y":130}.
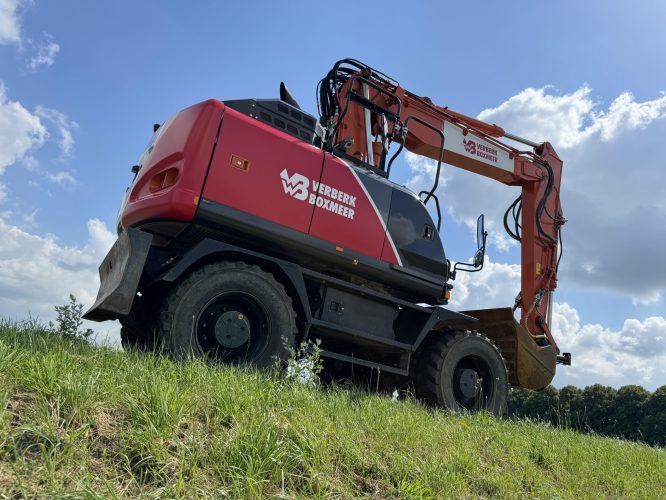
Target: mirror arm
{"x":473,"y":267}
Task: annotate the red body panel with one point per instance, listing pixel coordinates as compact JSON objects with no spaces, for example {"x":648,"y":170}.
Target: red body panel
{"x":258,"y":189}
{"x":355,"y":224}
{"x":184,"y":143}
{"x":259,"y":170}
{"x":280,"y":179}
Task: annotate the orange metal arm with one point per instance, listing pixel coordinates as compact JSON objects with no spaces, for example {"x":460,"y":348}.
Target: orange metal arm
{"x":377,"y":112}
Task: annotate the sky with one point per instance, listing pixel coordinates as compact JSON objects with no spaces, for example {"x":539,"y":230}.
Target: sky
{"x":81,"y":84}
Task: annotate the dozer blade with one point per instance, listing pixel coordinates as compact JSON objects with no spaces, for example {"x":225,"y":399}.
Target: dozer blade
{"x":530,"y":365}
{"x":119,"y":276}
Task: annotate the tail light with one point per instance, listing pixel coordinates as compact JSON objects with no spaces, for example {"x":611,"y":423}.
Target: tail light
{"x":163,"y":180}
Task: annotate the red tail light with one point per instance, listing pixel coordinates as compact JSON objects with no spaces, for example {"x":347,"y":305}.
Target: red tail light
{"x":163,"y":180}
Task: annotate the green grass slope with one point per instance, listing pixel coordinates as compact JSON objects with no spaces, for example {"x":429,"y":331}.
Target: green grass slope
{"x":78,"y":421}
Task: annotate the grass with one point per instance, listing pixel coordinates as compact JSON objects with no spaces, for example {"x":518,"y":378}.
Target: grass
{"x":91,"y":422}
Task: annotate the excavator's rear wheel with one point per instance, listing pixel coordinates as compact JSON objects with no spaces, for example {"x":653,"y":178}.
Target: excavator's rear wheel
{"x":461,"y":370}
{"x":137,"y":331}
{"x":230,"y":312}
{"x":131,"y":339}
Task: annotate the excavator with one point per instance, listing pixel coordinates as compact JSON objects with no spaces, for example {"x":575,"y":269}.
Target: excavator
{"x":251,"y":227}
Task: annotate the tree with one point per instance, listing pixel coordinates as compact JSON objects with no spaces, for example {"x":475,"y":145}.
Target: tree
{"x":654,"y":422}
{"x":536,"y":405}
{"x":627,"y":410}
{"x":517,"y":402}
{"x":630,"y":412}
{"x":597,"y":401}
{"x":572,"y":412}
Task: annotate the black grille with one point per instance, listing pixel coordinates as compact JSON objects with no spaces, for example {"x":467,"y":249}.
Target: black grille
{"x":278,"y":114}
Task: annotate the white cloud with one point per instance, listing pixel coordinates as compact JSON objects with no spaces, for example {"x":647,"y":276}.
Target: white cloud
{"x":634,"y":354}
{"x":568,"y":120}
{"x":62,"y":178}
{"x":44,"y":51}
{"x":20,"y":131}
{"x":64,"y":126}
{"x":10,"y":22}
{"x":30,"y":220}
{"x":612,"y":188}
{"x":30,"y":163}
{"x":533,"y":113}
{"x":47,"y":50}
{"x":37,"y":272}
{"x":496,"y":285}
{"x":626,"y":114}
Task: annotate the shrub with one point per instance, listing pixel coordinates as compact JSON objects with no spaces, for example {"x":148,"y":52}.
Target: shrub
{"x":304,"y":364}
{"x":69,"y":324}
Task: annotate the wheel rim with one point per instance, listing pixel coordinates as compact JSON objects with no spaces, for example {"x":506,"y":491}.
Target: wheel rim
{"x":232,"y":327}
{"x":473,"y":383}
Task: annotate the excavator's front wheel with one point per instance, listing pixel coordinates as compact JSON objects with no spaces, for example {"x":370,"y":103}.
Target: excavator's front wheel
{"x":230,"y":312}
{"x":461,"y":370}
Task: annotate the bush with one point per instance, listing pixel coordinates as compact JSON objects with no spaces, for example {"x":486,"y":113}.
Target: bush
{"x":304,"y":364}
{"x":68,"y":323}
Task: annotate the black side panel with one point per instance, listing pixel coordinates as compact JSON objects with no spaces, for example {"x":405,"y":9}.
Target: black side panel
{"x":379,"y":191}
{"x":219,"y":222}
{"x":354,"y":311}
{"x":415,"y":235}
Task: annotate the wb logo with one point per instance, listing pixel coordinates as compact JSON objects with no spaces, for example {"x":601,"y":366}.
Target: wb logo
{"x":296,"y":185}
{"x":470,"y":146}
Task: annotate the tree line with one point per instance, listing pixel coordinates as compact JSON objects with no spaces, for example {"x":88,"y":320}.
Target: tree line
{"x":630,"y":412}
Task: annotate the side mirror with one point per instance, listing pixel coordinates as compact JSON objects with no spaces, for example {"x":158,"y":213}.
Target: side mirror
{"x":477,"y":261}
{"x":481,"y":236}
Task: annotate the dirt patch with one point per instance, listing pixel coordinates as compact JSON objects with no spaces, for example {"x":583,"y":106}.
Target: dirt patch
{"x":105,"y":432}
{"x":19,"y":406}
{"x":105,"y":424}
{"x":6,"y":481}
{"x":375,"y":488}
{"x":105,"y":441}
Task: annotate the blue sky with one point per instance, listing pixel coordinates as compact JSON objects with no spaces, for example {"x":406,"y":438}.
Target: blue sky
{"x":83,"y":82}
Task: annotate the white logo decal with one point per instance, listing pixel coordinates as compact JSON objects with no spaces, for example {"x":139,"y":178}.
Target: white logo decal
{"x":323,"y":196}
{"x":296,"y":185}
{"x":476,"y":148}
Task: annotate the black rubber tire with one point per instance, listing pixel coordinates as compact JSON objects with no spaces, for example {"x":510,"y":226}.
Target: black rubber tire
{"x":182,"y":325}
{"x":130,"y":339}
{"x":444,"y":355}
{"x":137,"y":331}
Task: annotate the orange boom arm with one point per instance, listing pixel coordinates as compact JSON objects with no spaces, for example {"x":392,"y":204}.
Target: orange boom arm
{"x":373,"y":111}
